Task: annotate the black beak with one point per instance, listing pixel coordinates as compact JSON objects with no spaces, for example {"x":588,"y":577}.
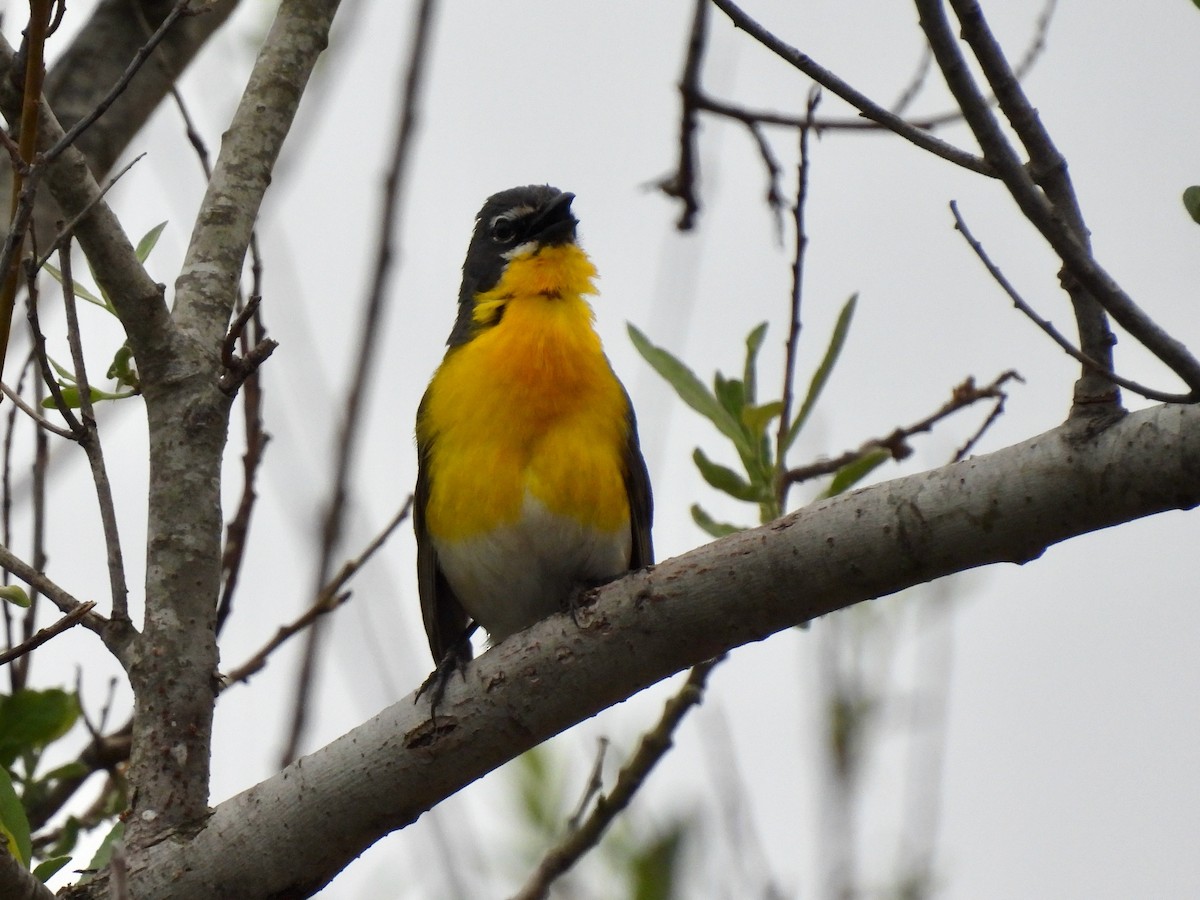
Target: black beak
{"x":554,"y":223}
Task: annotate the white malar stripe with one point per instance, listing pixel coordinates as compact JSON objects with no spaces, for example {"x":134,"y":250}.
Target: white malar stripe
{"x":520,"y":573}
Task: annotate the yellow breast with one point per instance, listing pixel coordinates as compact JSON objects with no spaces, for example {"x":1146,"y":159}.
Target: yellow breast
{"x":527,"y":408}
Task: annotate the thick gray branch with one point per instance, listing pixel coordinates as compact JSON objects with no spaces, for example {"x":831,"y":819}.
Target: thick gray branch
{"x":207,"y":285}
{"x":300,"y":827}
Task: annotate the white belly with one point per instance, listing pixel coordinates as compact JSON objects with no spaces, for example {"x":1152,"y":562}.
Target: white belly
{"x":517,"y":574}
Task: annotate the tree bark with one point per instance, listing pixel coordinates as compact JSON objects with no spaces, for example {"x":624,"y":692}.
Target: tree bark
{"x":299,"y":828}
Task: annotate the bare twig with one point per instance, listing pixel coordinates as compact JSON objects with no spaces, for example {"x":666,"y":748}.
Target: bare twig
{"x":117,"y":89}
{"x":329,"y":598}
{"x":23,"y":185}
{"x":69,"y":620}
{"x":1051,"y":219}
{"x":595,"y":784}
{"x":858,"y":100}
{"x":38,"y":419}
{"x":896,"y":443}
{"x":1046,"y":326}
{"x":60,"y":598}
{"x":412,"y":83}
{"x":89,"y":439}
{"x":793,"y":339}
{"x":239,"y":368}
{"x":682,"y":185}
{"x":653,"y":746}
{"x":66,"y":232}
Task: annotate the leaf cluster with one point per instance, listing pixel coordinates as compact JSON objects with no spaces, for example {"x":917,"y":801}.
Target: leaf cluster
{"x":751,"y":426}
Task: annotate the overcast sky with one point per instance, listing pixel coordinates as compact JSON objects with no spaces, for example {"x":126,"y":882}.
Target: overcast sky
{"x":1073,"y":742}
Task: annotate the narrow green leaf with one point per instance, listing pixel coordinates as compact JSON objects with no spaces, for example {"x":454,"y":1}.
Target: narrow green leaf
{"x":691,"y":390}
{"x":15,"y":594}
{"x":105,"y":851}
{"x":146,"y":244}
{"x":48,"y":868}
{"x":731,"y":394}
{"x":1191,"y":196}
{"x":852,"y":473}
{"x":725,"y":479}
{"x":70,"y":395}
{"x":757,"y":418}
{"x":14,"y":825}
{"x":821,"y":376}
{"x":64,"y":373}
{"x":712,"y":526}
{"x":80,"y":291}
{"x":754,"y":342}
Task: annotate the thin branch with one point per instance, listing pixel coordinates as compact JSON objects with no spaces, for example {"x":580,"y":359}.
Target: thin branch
{"x":43,"y":361}
{"x":34,"y":47}
{"x":858,"y":100}
{"x":89,"y":440}
{"x":38,"y":419}
{"x":17,"y":882}
{"x":329,"y":598}
{"x":1046,"y":326}
{"x":68,"y":621}
{"x":793,"y":339}
{"x":595,"y":784}
{"x":117,"y":89}
{"x":412,"y":82}
{"x":652,"y":748}
{"x":682,"y":185}
{"x":1049,"y":170}
{"x":896,"y":443}
{"x":60,"y":598}
{"x":66,"y":232}
{"x":1037,"y":208}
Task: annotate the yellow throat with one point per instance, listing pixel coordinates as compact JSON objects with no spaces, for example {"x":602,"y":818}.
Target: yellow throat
{"x":528,"y":407}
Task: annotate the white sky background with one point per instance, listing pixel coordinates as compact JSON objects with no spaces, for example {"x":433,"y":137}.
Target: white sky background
{"x":1073,"y":742}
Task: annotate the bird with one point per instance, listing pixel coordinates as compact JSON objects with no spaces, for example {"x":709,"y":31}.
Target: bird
{"x":531,"y":484}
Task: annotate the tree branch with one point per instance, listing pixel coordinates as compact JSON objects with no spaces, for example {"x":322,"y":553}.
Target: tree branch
{"x":858,"y":100}
{"x":18,"y":883}
{"x":1037,"y":207}
{"x":309,"y":820}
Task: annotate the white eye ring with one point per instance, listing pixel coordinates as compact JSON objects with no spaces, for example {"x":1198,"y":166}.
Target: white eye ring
{"x":503,"y":228}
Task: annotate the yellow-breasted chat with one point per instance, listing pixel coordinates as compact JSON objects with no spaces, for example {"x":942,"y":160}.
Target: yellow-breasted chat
{"x":530,"y":482}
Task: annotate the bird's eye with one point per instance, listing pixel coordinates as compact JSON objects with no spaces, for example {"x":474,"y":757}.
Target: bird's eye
{"x":504,"y":228}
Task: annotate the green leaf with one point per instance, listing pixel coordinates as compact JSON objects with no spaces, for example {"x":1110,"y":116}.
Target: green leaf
{"x":105,"y":851}
{"x":754,"y":342}
{"x":821,"y":376}
{"x":853,"y":472}
{"x":123,"y":368}
{"x":48,"y":868}
{"x":725,"y":479}
{"x":730,"y":393}
{"x":711,"y":525}
{"x":14,"y":825}
{"x":146,"y":244}
{"x":757,"y":418}
{"x":691,"y":390}
{"x":64,"y":373}
{"x":80,"y":291}
{"x":1191,"y":196}
{"x":71,"y":396}
{"x":31,"y":719}
{"x":15,"y":594}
